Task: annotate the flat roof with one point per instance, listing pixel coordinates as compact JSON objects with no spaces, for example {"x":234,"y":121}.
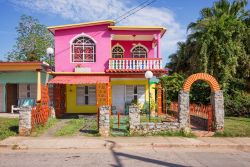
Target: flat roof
{"x":85,"y":24}
{"x":24,"y":66}
{"x":140,"y":28}
{"x":111,"y":26}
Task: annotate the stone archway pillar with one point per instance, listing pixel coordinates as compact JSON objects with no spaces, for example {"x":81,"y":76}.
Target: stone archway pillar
{"x":217,"y":101}
{"x":183,"y":109}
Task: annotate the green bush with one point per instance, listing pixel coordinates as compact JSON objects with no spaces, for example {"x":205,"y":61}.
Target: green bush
{"x":237,"y":104}
{"x":236,"y":95}
{"x":199,"y":93}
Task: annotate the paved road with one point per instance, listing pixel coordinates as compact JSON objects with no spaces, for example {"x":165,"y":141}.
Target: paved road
{"x":124,"y":157}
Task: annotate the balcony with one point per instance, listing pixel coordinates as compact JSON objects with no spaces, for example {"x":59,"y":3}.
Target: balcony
{"x":135,"y":65}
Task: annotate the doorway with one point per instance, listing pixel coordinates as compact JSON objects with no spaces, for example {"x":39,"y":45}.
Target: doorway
{"x":11,"y":95}
{"x":118,"y":97}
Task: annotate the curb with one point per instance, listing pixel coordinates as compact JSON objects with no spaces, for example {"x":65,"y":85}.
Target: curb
{"x":108,"y":145}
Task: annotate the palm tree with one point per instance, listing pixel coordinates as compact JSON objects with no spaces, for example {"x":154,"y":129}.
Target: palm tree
{"x":216,"y":38}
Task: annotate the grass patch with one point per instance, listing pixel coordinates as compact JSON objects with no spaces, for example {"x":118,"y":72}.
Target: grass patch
{"x":72,"y":127}
{"x":145,"y":118}
{"x":235,"y":127}
{"x":39,"y":129}
{"x":123,"y":130}
{"x":8,"y":127}
{"x":90,"y":128}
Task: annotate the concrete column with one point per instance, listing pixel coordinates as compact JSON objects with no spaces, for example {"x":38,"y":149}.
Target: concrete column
{"x":159,"y":99}
{"x":183,"y":109}
{"x":104,"y":119}
{"x":158,"y":45}
{"x":217,"y":100}
{"x":38,"y":86}
{"x":134,"y":118}
{"x":25,"y":122}
{"x":3,"y":98}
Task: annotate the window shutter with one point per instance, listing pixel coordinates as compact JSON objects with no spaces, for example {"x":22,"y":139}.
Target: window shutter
{"x":141,"y":93}
{"x":92,"y":95}
{"x":129,"y":93}
{"x":22,"y":90}
{"x":80,"y":98}
{"x":33,"y":89}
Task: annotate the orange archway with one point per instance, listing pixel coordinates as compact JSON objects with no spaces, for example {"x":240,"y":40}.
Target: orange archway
{"x":201,"y":76}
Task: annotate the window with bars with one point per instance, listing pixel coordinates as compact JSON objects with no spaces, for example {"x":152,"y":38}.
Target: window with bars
{"x":139,"y":52}
{"x":86,"y":95}
{"x":83,"y":50}
{"x":117,"y":52}
{"x":28,"y":91}
{"x":135,"y":92}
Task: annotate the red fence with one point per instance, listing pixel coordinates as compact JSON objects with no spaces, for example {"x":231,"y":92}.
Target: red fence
{"x":41,"y":112}
{"x":196,"y":110}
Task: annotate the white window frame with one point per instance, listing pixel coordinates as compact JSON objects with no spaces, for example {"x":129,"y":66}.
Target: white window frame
{"x":71,"y":50}
{"x":117,"y":45}
{"x":85,"y":95}
{"x":28,"y":92}
{"x":139,"y":45}
{"x":137,"y":94}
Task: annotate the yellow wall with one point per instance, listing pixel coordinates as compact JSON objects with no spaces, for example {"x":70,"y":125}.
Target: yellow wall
{"x":152,"y":90}
{"x":132,"y":82}
{"x":71,"y":106}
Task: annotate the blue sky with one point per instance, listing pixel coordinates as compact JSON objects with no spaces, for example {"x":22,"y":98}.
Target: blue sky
{"x":175,"y":15}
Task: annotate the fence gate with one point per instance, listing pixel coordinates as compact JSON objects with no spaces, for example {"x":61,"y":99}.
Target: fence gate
{"x":119,"y":125}
{"x":201,"y":116}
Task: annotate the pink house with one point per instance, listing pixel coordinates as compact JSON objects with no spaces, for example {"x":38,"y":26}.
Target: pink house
{"x":98,"y":63}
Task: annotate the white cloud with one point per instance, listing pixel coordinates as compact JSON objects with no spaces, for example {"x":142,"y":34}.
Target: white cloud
{"x":91,"y":10}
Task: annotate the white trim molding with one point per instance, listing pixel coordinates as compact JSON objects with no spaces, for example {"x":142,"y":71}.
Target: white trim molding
{"x":71,"y":43}
{"x":117,"y":44}
{"x":139,"y":44}
{"x":81,"y":35}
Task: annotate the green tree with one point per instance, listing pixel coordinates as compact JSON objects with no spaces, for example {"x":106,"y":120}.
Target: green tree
{"x":218,"y":43}
{"x":32,"y":41}
{"x":172,"y":84}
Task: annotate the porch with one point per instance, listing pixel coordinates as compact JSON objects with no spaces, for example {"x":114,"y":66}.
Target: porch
{"x":84,"y":94}
{"x":80,"y":94}
{"x":135,"y":65}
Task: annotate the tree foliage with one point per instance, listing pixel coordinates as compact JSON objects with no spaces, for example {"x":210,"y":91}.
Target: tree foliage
{"x":32,"y":41}
{"x":219,"y":44}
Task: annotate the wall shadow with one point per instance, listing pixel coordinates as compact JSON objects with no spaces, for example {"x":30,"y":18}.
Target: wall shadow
{"x":117,"y":156}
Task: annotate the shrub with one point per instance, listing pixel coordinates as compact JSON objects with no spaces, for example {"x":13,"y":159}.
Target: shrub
{"x":237,"y":104}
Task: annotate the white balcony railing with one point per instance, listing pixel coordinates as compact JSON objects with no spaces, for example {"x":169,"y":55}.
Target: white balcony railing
{"x":135,"y":64}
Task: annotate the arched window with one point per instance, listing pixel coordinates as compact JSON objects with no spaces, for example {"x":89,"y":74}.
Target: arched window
{"x":117,"y":52}
{"x":139,"y":51}
{"x":83,"y":50}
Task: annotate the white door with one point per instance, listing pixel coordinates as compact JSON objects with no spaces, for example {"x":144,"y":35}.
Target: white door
{"x":118,"y":97}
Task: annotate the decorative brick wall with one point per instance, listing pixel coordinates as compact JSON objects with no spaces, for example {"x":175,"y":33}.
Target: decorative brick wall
{"x":136,"y":127}
{"x":154,"y":128}
{"x":25,"y":122}
{"x":104,"y":120}
{"x":201,"y":76}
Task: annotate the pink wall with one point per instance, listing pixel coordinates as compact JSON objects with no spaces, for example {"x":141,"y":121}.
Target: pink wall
{"x":128,"y":45}
{"x":100,"y":34}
